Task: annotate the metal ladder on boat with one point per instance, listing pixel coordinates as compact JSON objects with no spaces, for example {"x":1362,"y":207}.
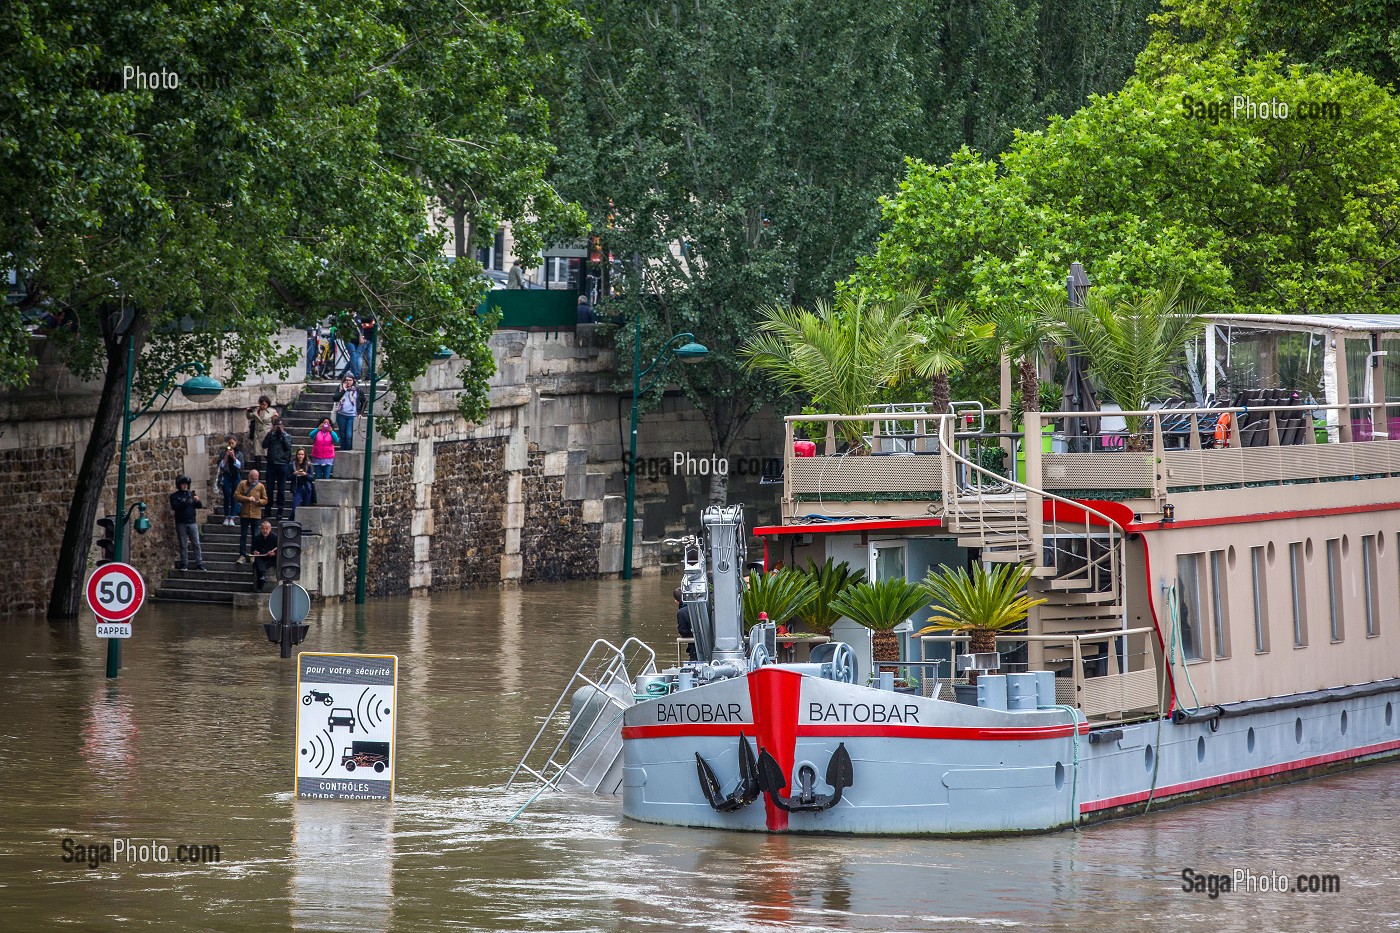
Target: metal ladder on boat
{"x":579,"y":744}
{"x":1076,"y":552}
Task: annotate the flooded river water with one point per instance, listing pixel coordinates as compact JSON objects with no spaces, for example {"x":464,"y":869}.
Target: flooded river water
{"x":193,"y":744}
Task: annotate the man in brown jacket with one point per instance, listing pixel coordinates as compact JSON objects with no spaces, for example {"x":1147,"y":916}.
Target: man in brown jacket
{"x":252,"y":495}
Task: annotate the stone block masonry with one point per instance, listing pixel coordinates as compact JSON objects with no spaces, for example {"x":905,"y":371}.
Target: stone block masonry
{"x":468,"y":506}
{"x":555,"y":542}
{"x":390,"y":531}
{"x":35,"y":485}
{"x":532,"y":493}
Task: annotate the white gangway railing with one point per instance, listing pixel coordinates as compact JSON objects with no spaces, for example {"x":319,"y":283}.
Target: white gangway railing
{"x":580,"y":741}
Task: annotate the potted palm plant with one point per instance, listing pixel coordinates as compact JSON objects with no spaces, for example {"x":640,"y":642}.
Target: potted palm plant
{"x":831,"y":580}
{"x":880,"y":606}
{"x":780,"y":594}
{"x":1131,"y":344}
{"x":842,"y":355}
{"x":982,"y":604}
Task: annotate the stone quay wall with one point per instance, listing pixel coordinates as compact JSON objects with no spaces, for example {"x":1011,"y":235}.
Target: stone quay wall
{"x":533,"y":493}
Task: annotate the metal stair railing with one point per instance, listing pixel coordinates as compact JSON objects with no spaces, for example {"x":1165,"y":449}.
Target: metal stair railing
{"x":610,"y":671}
{"x":1100,"y":572}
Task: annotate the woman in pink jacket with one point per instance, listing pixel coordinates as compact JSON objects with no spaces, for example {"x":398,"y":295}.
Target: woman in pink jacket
{"x":323,"y":442}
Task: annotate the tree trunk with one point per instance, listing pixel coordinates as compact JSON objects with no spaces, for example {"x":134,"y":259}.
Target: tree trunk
{"x":719,"y":482}
{"x":940,"y":395}
{"x":71,"y":572}
{"x":884,"y":647}
{"x":1030,"y":383}
{"x":460,"y":229}
{"x":983,"y":640}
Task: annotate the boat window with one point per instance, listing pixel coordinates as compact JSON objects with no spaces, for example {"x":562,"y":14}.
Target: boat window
{"x":1334,"y":587}
{"x":1219,"y":604}
{"x":1188,"y":597}
{"x":1261,"y":599}
{"x":1368,"y":583}
{"x":1297,"y":572}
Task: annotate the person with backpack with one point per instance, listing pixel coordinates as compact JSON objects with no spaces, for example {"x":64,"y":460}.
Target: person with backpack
{"x":349,"y":404}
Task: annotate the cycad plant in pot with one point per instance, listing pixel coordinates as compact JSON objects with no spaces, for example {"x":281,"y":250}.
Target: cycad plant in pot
{"x":831,"y":580}
{"x":780,"y":594}
{"x":880,"y":606}
{"x":982,"y":603}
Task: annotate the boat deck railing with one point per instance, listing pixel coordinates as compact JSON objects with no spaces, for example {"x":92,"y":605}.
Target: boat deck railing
{"x":1119,"y":678}
{"x":898,"y":456}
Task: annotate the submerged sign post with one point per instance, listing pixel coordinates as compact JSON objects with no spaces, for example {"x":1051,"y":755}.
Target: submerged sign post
{"x":346,"y":707}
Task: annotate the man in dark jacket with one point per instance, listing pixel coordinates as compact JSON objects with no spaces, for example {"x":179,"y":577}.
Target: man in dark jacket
{"x":264,"y":554}
{"x":184,"y":503}
{"x":278,"y":445}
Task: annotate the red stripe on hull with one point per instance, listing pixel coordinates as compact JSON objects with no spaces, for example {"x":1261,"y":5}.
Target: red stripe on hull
{"x":681,"y":730}
{"x":1187,"y":787}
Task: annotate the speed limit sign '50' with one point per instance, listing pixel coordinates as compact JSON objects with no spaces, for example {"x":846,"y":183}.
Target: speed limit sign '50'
{"x":115,"y":592}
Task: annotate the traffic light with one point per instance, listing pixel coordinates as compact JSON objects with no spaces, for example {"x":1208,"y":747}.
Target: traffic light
{"x":108,"y":540}
{"x":289,"y":552}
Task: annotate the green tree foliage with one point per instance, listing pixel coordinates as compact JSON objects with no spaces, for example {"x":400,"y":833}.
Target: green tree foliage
{"x":476,"y":125}
{"x":1149,"y":187}
{"x":1361,"y":35}
{"x":731,"y":156}
{"x":285,"y":175}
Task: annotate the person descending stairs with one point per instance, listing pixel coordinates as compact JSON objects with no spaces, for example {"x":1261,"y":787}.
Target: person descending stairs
{"x":224,"y":577}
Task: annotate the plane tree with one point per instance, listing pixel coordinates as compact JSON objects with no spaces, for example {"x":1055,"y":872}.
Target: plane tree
{"x":279,"y":178}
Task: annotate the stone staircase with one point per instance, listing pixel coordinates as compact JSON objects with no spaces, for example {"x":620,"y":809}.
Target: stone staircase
{"x":337,"y":499}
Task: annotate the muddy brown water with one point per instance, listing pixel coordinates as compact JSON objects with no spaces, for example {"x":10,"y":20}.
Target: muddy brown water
{"x":193,"y":744}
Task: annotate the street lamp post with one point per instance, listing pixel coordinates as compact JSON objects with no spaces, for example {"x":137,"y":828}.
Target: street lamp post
{"x":690,"y":352}
{"x":367,"y":475}
{"x":198,"y":388}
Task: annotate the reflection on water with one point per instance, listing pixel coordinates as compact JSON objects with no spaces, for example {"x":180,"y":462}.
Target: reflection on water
{"x":109,"y":732}
{"x":342,"y":866}
{"x":194,"y":744}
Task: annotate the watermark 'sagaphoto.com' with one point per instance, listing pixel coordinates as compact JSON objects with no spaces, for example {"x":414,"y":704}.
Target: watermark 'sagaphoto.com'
{"x":1248,"y":881}
{"x":1243,"y":107}
{"x":684,"y":464}
{"x":137,"y":78}
{"x":138,"y":852}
